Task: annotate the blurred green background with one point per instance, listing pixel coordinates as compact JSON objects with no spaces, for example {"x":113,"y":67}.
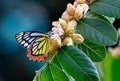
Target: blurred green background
{"x":26,"y":15}
{"x":109,"y":69}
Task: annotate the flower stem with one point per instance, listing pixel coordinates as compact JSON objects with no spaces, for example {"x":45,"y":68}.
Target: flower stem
{"x":52,"y":58}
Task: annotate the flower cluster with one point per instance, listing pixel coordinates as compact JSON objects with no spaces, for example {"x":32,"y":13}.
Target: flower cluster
{"x":64,"y":29}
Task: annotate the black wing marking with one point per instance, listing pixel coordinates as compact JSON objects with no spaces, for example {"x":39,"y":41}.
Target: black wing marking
{"x":27,"y":38}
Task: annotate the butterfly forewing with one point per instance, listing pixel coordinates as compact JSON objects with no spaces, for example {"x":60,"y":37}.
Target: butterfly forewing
{"x":27,"y":38}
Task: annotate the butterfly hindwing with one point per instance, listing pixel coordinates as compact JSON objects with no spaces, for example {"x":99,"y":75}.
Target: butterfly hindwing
{"x":39,"y":49}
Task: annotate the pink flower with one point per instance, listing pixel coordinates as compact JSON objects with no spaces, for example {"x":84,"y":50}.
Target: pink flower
{"x":83,"y":7}
{"x":57,"y":31}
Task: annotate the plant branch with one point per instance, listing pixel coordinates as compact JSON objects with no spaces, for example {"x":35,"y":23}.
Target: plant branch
{"x":38,"y":72}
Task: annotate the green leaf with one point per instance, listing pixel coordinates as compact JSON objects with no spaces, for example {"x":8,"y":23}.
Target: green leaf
{"x":55,"y":61}
{"x":53,"y":73}
{"x":77,"y":64}
{"x":110,"y":19}
{"x":95,"y":51}
{"x":97,"y":31}
{"x":93,"y":15}
{"x":106,"y":7}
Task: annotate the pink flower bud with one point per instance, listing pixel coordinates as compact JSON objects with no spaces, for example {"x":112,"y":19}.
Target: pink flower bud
{"x":55,"y":23}
{"x":84,"y":8}
{"x":71,"y":26}
{"x":68,"y":41}
{"x":77,"y":38}
{"x":69,"y":31}
{"x":75,"y":4}
{"x":65,"y":16}
{"x":58,"y":31}
{"x":72,"y":23}
{"x":70,"y":9}
{"x":89,"y":1}
{"x":80,"y":11}
{"x":63,"y":24}
{"x":55,"y":44}
{"x":81,"y":1}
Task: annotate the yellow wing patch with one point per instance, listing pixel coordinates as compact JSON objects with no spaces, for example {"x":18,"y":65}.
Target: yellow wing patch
{"x":40,"y":46}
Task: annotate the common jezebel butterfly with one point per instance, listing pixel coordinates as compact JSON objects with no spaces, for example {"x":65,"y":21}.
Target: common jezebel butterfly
{"x":36,"y":42}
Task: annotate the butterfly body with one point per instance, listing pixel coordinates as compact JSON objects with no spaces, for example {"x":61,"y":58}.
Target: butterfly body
{"x":37,"y":44}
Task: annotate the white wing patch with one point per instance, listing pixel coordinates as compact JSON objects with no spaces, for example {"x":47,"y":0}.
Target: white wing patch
{"x":36,"y":34}
{"x":27,"y":38}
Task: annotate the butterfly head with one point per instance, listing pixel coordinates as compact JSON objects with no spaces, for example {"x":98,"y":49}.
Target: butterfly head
{"x":50,"y":33}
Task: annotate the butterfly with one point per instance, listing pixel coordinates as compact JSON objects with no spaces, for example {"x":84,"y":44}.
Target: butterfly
{"x":37,"y":44}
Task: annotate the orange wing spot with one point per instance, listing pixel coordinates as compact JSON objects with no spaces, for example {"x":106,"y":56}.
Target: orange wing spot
{"x":43,"y":58}
{"x":30,"y":57}
{"x":39,"y":58}
{"x":29,"y":53}
{"x":34,"y":58}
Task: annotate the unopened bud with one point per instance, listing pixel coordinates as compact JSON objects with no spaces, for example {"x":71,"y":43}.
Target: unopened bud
{"x":81,"y":1}
{"x":77,"y":38}
{"x":84,"y":8}
{"x":75,"y":4}
{"x":71,"y":26}
{"x":69,"y":31}
{"x":65,"y":16}
{"x":63,"y":24}
{"x":89,"y":1}
{"x":55,"y":44}
{"x":72,"y":23}
{"x":78,"y":13}
{"x":55,"y":23}
{"x":68,"y":41}
{"x":70,"y":9}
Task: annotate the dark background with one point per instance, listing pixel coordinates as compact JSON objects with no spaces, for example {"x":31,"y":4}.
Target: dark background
{"x":25,"y":15}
